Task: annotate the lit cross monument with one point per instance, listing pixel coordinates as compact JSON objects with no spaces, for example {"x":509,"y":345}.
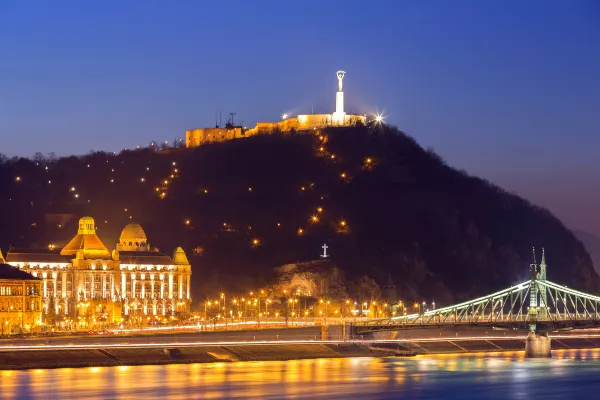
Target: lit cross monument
{"x":325,"y":247}
{"x":339,"y":114}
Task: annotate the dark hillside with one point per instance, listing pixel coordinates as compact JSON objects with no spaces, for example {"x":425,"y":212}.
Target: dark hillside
{"x":380,"y":202}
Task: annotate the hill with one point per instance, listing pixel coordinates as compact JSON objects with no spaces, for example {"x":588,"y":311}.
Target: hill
{"x":381,"y":203}
{"x":592,"y":244}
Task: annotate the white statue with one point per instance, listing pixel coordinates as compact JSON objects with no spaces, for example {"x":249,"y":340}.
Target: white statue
{"x":340,"y":76}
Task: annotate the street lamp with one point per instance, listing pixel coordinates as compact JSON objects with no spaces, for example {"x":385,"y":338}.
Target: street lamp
{"x":206,"y":304}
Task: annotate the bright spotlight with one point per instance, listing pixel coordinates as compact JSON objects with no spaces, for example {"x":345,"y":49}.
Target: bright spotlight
{"x":379,"y":118}
{"x":284,"y":116}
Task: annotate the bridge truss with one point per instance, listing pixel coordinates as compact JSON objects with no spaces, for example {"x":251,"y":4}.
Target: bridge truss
{"x":537,"y":305}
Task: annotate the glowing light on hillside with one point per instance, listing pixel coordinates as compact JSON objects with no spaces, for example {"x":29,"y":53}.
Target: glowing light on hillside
{"x":72,"y":189}
{"x":343,"y":175}
{"x":187,"y":222}
{"x":18,"y":179}
{"x":333,"y":156}
{"x":284,"y":116}
{"x":249,"y":189}
{"x":379,"y":118}
{"x":300,"y":231}
{"x":320,"y":209}
{"x":255,"y":242}
{"x":314,"y":219}
{"x":142,"y":179}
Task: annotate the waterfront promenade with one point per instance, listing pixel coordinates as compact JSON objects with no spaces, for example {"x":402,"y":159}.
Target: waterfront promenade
{"x":259,"y":345}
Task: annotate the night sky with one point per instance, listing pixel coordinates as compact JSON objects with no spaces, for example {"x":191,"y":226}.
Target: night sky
{"x":507,"y":90}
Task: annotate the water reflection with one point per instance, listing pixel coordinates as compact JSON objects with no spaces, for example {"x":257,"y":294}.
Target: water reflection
{"x":497,"y":375}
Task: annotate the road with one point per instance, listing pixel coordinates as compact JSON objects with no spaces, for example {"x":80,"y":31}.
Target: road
{"x":263,"y":336}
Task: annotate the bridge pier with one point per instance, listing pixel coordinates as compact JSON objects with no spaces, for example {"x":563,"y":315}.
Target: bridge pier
{"x":537,"y":346}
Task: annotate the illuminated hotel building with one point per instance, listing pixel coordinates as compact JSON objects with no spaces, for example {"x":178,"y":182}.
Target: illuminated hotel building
{"x":85,"y":278}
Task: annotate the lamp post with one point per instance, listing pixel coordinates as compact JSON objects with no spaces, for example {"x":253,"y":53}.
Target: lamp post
{"x":267,"y":301}
{"x":206,"y":304}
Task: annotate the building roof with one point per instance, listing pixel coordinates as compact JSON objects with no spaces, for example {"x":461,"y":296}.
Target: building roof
{"x":145,"y":257}
{"x":179,"y":257}
{"x":133,"y":233}
{"x":10,"y":272}
{"x":35,"y":256}
{"x":91,"y":245}
{"x":86,"y":240}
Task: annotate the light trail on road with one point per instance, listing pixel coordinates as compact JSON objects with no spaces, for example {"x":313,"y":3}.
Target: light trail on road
{"x":211,"y":327}
{"x":71,"y":346}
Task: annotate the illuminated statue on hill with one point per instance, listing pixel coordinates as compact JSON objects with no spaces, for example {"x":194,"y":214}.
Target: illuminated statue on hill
{"x":340,"y":76}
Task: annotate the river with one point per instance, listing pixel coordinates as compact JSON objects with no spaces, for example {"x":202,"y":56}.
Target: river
{"x":569,"y":374}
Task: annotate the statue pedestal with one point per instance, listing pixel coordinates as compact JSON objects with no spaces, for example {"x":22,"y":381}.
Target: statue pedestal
{"x":537,"y":346}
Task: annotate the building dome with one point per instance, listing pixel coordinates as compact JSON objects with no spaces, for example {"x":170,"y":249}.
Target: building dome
{"x":86,"y":243}
{"x":86,"y":226}
{"x":133,"y":238}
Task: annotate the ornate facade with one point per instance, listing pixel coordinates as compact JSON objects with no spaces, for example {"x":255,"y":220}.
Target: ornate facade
{"x":86,"y":280}
{"x":20,"y":300}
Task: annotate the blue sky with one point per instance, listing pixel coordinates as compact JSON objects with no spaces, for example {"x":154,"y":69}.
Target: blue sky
{"x":508,"y":90}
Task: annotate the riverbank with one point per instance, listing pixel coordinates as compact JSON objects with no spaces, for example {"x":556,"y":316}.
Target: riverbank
{"x":47,"y":357}
{"x":260,"y":345}
{"x":176,"y":354}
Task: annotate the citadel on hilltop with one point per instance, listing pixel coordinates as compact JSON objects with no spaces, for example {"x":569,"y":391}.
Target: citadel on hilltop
{"x":304,"y":122}
{"x":85,"y":282}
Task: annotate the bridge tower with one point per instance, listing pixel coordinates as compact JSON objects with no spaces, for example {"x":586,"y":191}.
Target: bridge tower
{"x":537,"y":344}
{"x":542,"y":289}
{"x":533,"y":294}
